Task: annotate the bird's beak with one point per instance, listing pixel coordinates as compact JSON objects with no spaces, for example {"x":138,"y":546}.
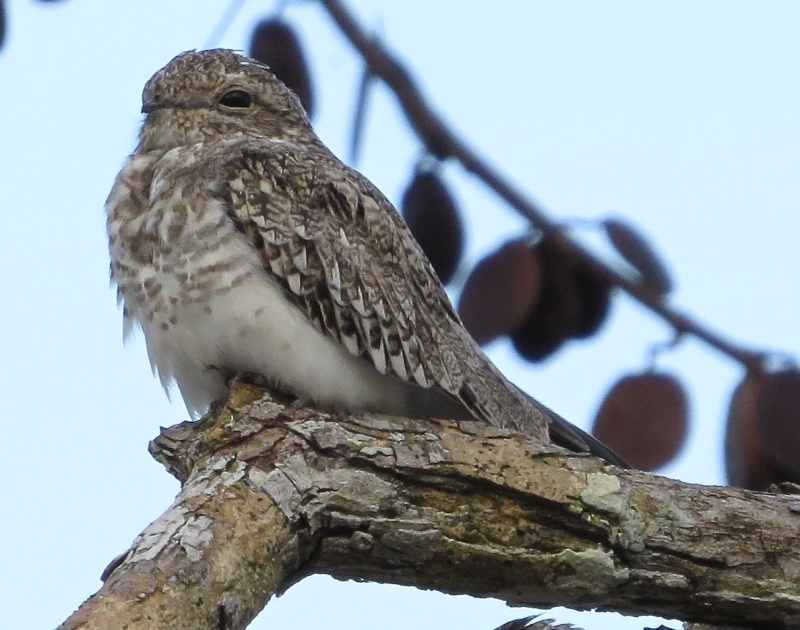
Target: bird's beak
{"x":149,"y":106}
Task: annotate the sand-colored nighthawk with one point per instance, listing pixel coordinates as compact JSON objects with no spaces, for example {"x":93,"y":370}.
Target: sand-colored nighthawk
{"x":240,"y":244}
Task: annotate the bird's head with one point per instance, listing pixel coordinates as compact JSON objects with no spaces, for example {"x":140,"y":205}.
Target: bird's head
{"x":204,"y":95}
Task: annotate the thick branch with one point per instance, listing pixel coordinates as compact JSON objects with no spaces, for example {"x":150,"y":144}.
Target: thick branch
{"x":443,"y":142}
{"x":273,"y":493}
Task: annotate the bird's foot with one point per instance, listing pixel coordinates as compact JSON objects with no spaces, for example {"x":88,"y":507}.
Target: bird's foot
{"x":231,"y":378}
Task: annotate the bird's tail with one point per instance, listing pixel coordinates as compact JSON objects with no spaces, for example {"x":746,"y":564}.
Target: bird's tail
{"x":567,"y":435}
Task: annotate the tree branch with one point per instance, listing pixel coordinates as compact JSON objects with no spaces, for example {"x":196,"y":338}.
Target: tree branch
{"x":272,"y":493}
{"x":443,"y":142}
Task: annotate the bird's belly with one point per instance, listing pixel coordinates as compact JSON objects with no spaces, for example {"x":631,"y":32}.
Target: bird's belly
{"x":255,"y":328}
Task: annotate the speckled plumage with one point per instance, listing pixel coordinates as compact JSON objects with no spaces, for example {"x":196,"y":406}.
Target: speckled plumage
{"x":239,"y":243}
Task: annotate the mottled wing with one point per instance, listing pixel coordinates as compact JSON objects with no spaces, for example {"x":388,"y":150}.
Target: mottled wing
{"x":343,"y":253}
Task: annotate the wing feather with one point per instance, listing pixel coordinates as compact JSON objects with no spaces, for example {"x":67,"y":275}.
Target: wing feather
{"x":342,"y":252}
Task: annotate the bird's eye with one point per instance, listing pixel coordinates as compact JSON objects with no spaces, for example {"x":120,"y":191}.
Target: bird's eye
{"x":236,"y":98}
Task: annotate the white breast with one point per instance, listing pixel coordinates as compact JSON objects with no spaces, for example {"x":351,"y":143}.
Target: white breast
{"x":254,"y":328}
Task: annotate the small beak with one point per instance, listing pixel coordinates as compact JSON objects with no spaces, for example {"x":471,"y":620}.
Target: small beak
{"x":150,"y":106}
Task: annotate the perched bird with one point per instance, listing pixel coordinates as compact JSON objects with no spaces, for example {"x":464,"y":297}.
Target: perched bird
{"x":241,"y":244}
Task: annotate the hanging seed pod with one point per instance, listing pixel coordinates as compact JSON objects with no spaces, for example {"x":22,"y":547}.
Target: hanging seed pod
{"x":595,"y":297}
{"x":638,"y":252}
{"x":276,"y":44}
{"x":762,"y":443}
{"x":779,"y":421}
{"x":557,"y":313}
{"x":644,"y":418}
{"x":434,"y":220}
{"x":744,"y":463}
{"x":501,"y":291}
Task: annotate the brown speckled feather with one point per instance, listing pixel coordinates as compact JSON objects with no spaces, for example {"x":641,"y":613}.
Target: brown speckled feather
{"x":342,"y":251}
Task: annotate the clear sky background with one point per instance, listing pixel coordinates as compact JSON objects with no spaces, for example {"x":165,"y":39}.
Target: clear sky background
{"x":682,"y":116}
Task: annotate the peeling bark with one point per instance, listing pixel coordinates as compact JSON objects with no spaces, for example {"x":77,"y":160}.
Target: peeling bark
{"x":273,"y":492}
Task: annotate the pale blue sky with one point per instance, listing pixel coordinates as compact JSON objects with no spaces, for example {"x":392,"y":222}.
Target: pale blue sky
{"x":682,"y":116}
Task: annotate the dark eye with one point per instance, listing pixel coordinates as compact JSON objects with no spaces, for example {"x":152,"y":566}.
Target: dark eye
{"x":236,"y":98}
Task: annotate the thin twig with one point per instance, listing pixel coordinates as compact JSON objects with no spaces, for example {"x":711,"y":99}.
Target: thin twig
{"x":443,"y":142}
{"x":360,"y":115}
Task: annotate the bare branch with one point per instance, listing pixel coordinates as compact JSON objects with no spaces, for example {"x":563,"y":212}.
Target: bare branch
{"x":273,"y":493}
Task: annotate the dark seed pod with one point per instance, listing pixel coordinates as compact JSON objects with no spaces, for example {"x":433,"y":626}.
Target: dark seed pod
{"x":501,"y":291}
{"x":644,"y":418}
{"x":762,"y":443}
{"x":595,"y":297}
{"x":434,"y":220}
{"x":557,"y":313}
{"x":745,"y":466}
{"x":638,"y":252}
{"x":779,"y":421}
{"x":276,"y":44}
